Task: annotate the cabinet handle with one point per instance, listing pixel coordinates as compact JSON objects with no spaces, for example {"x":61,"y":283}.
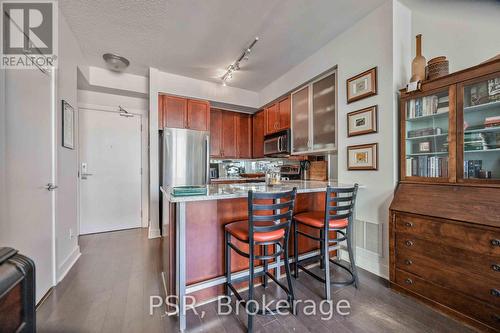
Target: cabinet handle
{"x":408,"y":281}
{"x":495,"y":267}
{"x":408,"y":224}
{"x":408,"y":262}
{"x":408,"y":243}
{"x":495,"y":242}
{"x":495,"y":292}
{"x":495,"y":317}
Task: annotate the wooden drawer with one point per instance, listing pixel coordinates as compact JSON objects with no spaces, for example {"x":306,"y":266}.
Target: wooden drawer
{"x":439,"y":272}
{"x":462,"y":261}
{"x":468,"y":306}
{"x":483,"y":240}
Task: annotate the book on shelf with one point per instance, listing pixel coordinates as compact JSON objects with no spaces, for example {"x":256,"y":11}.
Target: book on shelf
{"x":472,"y":168}
{"x":423,"y":106}
{"x":424,"y":132}
{"x":427,"y":166}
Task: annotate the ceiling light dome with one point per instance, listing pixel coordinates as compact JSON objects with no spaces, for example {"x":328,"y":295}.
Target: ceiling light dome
{"x":115,"y":62}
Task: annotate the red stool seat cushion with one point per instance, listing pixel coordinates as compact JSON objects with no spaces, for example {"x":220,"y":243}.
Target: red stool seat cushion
{"x":316,"y":219}
{"x":239,"y":230}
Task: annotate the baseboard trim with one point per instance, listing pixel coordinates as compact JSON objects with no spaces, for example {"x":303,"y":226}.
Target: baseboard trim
{"x":369,"y":261}
{"x":154,"y":233}
{"x":66,"y":265}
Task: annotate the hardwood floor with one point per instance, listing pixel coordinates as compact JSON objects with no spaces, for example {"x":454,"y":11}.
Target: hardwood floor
{"x":109,"y":287}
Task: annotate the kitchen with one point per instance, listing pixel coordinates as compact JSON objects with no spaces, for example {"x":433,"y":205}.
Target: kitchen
{"x":336,"y":160}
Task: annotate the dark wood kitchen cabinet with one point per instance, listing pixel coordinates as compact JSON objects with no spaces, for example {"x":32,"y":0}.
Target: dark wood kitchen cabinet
{"x":244,"y":143}
{"x":258,"y":135}
{"x":179,"y":112}
{"x":198,"y":115}
{"x":215,"y":133}
{"x":223,"y":133}
{"x":277,"y":116}
{"x":230,"y":134}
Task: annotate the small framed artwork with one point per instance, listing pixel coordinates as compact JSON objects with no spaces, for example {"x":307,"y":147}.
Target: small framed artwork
{"x":362,"y":85}
{"x":68,"y":125}
{"x":362,"y":157}
{"x":363,"y":121}
{"x":424,"y":147}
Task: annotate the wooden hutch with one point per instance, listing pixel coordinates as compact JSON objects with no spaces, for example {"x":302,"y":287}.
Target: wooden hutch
{"x":445,"y":216}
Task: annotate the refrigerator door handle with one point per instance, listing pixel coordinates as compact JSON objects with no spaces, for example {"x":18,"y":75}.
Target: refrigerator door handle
{"x":207,"y":158}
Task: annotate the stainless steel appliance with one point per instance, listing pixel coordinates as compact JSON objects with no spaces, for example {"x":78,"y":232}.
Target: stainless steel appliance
{"x":186,"y":157}
{"x":290,"y":172}
{"x":277,"y":144}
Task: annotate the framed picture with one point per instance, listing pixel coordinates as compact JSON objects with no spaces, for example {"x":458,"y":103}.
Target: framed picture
{"x":68,"y":125}
{"x":362,"y":157}
{"x":362,"y":85}
{"x":363,"y":121}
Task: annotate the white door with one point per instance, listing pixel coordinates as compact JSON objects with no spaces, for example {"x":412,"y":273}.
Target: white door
{"x":29,"y":167}
{"x":110,"y":171}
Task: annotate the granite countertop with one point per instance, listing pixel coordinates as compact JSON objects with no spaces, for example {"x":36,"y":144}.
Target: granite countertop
{"x":240,"y":190}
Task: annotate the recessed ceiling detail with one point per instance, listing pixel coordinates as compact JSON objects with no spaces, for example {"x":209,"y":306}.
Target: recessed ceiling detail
{"x":197,"y":38}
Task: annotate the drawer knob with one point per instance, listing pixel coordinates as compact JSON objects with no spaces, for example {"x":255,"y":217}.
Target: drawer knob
{"x":495,"y":267}
{"x":495,"y":242}
{"x":495,"y":292}
{"x":408,"y":224}
{"x":408,"y":243}
{"x":408,"y":281}
{"x":408,"y":262}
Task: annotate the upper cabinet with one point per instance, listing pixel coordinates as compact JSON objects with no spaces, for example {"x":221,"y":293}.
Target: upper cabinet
{"x":450,"y":130}
{"x":230,"y":134}
{"x":178,"y":112}
{"x":314,"y":114}
{"x":479,"y":130}
{"x":198,"y":115}
{"x":258,"y":134}
{"x":277,"y":116}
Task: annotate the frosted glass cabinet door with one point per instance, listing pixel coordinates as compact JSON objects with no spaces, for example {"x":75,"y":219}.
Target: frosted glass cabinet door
{"x":323,"y":113}
{"x":300,"y":120}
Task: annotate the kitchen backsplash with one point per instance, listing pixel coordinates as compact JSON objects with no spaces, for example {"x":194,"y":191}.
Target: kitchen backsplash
{"x":230,"y":168}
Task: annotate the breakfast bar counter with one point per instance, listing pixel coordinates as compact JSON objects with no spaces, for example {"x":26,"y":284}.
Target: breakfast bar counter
{"x":193,"y":232}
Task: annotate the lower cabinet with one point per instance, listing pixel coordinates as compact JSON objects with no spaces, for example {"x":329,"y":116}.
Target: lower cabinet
{"x":455,"y":265}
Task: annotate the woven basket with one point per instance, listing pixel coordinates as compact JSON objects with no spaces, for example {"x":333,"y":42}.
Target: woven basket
{"x":437,"y":67}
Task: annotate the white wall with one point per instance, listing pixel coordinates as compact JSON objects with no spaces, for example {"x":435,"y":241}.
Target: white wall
{"x":67,"y":249}
{"x":366,"y":44}
{"x":3,"y":139}
{"x":466,"y":32}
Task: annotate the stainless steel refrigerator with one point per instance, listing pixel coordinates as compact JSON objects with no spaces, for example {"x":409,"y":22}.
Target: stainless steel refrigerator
{"x":186,"y":157}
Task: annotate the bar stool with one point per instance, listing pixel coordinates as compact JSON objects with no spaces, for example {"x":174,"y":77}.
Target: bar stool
{"x":338,"y":217}
{"x":261,"y":231}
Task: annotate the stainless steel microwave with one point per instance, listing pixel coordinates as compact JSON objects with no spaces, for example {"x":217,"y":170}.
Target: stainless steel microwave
{"x":277,"y":144}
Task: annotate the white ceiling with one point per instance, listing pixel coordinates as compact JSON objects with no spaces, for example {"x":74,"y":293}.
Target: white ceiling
{"x":199,"y":38}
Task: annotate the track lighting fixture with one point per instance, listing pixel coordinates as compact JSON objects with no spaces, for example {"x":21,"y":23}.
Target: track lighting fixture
{"x":235,"y":66}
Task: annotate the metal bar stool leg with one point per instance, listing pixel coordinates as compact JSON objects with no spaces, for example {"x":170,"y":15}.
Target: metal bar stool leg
{"x":250,"y":303}
{"x":322,"y":251}
{"x":351,"y":254}
{"x":291,"y":296}
{"x":326,"y":263}
{"x":264,"y":277}
{"x":227,"y":258}
{"x":295,"y":249}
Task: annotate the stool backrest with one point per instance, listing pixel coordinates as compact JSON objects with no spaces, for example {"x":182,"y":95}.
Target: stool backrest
{"x":340,"y":203}
{"x":281,"y":210}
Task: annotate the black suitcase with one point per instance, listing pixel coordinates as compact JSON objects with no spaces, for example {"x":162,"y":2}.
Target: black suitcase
{"x":17,"y":292}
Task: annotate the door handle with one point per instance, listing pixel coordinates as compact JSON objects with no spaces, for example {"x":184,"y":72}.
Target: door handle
{"x":50,"y":187}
